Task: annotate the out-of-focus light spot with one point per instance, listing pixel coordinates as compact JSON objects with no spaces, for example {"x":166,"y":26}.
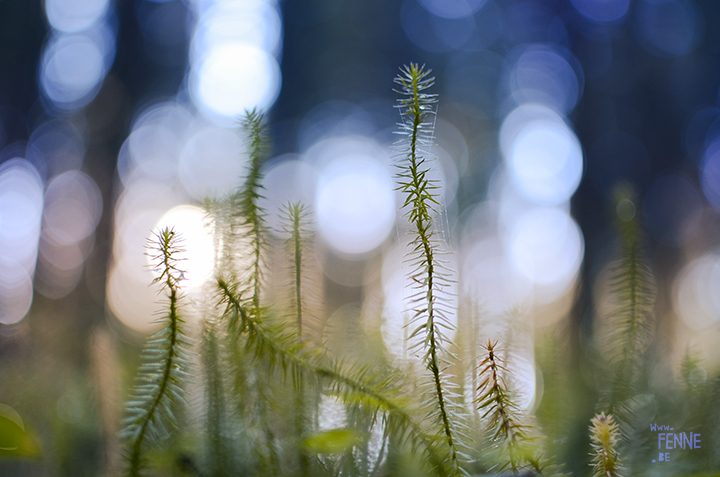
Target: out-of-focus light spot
{"x":672,"y":210}
{"x":21,"y":205}
{"x":697,"y":376}
{"x":355,"y":204}
{"x":233,"y":77}
{"x":131,"y":244}
{"x":625,"y":210}
{"x":138,"y":210}
{"x":398,"y":291}
{"x":491,"y":279}
{"x":696,"y":298}
{"x":104,"y":36}
{"x":141,"y":196}
{"x":143,"y":208}
{"x":702,"y":127}
{"x":477,"y":224}
{"x":197,"y":258}
{"x":544,"y":155}
{"x":667,"y":27}
{"x":602,"y":11}
{"x":72,"y":16}
{"x":355,"y":201}
{"x":59,"y":145}
{"x":546,"y":246}
{"x":395,"y":315}
{"x":211,"y":163}
{"x":62,"y":257}
{"x":452,"y":142}
{"x":171,"y":115}
{"x":16,"y":291}
{"x":73,"y":206}
{"x":252,"y":23}
{"x":72,"y":68}
{"x":454,"y":9}
{"x":511,"y":204}
{"x":59,"y":268}
{"x":287,"y":180}
{"x":153,"y":148}
{"x":21,"y":202}
{"x":524,"y":379}
{"x":544,"y":76}
{"x":131,"y":298}
{"x":332,"y":413}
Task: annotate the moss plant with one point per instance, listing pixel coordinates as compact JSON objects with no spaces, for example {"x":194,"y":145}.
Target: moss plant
{"x":503,"y":416}
{"x":604,"y":436}
{"x":429,"y":322}
{"x":166,"y":360}
{"x":633,"y":288}
{"x":267,"y":383}
{"x":295,"y":225}
{"x":250,"y":194}
{"x":295,"y":222}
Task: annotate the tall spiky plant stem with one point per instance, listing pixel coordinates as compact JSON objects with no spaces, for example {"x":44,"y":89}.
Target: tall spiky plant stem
{"x":165,"y":360}
{"x":503,"y":414}
{"x":633,"y":287}
{"x":249,"y":196}
{"x":415,"y":107}
{"x":295,"y":217}
{"x":604,"y":436}
{"x":219,"y":462}
{"x":296,"y":213}
{"x":250,"y":212}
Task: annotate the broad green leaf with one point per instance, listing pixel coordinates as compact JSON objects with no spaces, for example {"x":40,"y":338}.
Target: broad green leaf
{"x":15,"y":439}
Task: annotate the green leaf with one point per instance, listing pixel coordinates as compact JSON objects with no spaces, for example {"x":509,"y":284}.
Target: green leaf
{"x":334,"y":441}
{"x":15,"y":438}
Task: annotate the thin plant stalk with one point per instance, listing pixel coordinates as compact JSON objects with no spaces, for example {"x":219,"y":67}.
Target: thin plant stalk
{"x":415,"y":106}
{"x":166,"y":359}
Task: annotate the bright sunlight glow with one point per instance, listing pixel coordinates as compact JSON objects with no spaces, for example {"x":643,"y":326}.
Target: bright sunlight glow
{"x":696,"y":298}
{"x":198,"y":255}
{"x":544,"y":155}
{"x":547,"y":247}
{"x":355,"y":202}
{"x":233,"y":77}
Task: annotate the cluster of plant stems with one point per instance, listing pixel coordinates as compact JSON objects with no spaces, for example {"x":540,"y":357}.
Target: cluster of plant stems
{"x":266,"y":382}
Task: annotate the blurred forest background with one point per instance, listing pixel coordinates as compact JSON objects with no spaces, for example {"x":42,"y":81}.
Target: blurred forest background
{"x":119,"y":115}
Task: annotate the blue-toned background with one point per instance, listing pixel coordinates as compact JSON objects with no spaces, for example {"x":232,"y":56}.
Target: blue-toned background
{"x":116,"y":116}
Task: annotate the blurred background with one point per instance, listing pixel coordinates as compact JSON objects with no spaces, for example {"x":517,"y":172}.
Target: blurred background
{"x":116,"y":116}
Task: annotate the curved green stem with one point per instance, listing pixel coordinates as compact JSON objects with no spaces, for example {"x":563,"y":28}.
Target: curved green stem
{"x":299,"y":357}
